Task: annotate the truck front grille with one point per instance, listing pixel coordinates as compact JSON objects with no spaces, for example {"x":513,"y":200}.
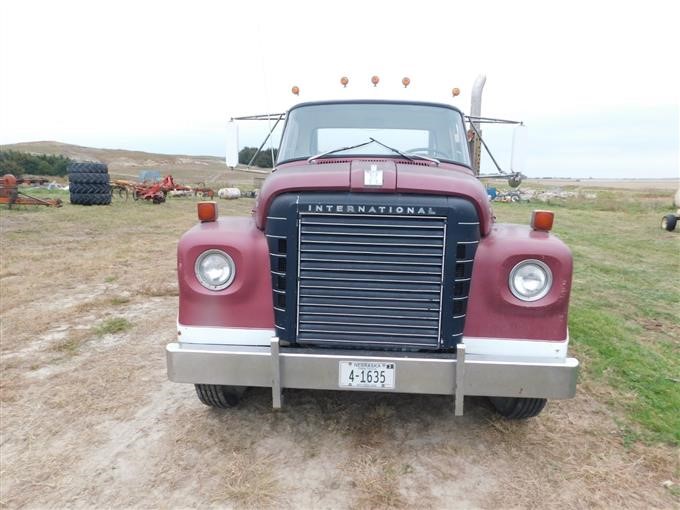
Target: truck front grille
{"x":370,"y":280}
{"x":371,"y":270}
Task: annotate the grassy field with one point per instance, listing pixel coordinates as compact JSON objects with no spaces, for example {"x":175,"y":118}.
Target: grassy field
{"x":88,"y":299}
{"x":625,"y":309}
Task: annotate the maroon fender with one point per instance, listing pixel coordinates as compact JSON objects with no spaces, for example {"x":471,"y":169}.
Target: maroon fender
{"x":247,"y":302}
{"x":347,"y":174}
{"x":492,"y":309}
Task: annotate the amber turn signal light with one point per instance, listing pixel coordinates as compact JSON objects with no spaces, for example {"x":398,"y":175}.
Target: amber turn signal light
{"x":542,"y":220}
{"x":207,"y":211}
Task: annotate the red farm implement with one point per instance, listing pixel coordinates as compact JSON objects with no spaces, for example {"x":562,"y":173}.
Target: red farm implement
{"x":10,"y":194}
{"x":157,"y":191}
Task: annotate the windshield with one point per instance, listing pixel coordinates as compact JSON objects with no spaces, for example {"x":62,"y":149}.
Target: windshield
{"x":418,"y":129}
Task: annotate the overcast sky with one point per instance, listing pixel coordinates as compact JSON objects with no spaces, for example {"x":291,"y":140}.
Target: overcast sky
{"x":597,"y":83}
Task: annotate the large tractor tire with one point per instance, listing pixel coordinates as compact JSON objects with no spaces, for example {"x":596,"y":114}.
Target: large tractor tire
{"x":88,"y":178}
{"x":89,"y":183}
{"x":88,"y":167}
{"x":516,"y":408}
{"x":91,"y":198}
{"x":89,"y":188}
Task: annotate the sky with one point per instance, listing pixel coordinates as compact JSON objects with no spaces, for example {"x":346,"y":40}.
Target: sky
{"x":594,"y":82}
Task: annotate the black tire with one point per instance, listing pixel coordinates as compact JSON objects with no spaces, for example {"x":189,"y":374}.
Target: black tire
{"x":669,"y":222}
{"x":89,"y":188}
{"x":88,"y":178}
{"x":221,"y":397}
{"x":88,"y":167}
{"x":515,"y":408}
{"x":91,"y":198}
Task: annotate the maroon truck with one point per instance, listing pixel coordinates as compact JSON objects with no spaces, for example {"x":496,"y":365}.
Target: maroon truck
{"x":372,"y":262}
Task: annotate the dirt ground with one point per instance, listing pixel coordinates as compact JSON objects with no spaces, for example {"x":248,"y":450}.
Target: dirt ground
{"x":89,"y":420}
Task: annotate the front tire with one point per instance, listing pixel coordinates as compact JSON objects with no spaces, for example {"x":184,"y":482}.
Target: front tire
{"x":515,"y":408}
{"x":221,"y":397}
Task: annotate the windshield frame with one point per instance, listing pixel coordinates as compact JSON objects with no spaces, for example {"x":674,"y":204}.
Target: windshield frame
{"x":372,"y":101}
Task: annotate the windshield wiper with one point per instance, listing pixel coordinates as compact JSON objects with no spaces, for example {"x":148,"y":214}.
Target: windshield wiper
{"x":333,"y":151}
{"x":392,"y":149}
{"x":404,"y":155}
{"x":426,"y":158}
{"x":410,"y":157}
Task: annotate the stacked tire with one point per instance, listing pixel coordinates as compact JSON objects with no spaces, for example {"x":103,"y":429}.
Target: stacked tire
{"x":89,"y":183}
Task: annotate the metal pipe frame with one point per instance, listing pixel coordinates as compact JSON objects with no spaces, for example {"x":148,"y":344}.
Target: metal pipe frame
{"x":266,"y":138}
{"x":491,"y":120}
{"x":481,"y":140}
{"x":264,"y":116}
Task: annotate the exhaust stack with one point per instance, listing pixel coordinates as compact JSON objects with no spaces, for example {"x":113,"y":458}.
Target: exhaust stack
{"x":476,"y":111}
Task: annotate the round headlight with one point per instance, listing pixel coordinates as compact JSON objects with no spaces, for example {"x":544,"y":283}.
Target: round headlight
{"x":215,"y":269}
{"x":530,"y":280}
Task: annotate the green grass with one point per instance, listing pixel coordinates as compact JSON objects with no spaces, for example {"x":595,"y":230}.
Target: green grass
{"x":68,"y":346}
{"x":113,"y":325}
{"x":71,"y":345}
{"x":625,"y":308}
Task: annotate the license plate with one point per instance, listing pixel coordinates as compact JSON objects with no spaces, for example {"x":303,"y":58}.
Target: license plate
{"x":367,"y":374}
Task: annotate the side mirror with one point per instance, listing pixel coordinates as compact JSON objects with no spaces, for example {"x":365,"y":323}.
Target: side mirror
{"x":231,"y":158}
{"x":515,"y":180}
{"x":518,"y":158}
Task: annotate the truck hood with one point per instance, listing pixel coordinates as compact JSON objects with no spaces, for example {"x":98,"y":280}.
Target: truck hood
{"x":388,"y":176}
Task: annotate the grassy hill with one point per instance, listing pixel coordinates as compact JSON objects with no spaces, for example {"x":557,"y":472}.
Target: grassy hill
{"x":126,"y":164}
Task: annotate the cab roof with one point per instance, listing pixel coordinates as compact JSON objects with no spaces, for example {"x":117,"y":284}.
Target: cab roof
{"x":375,"y":101}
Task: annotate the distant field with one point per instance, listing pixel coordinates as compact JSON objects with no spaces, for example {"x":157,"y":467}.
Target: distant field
{"x":632,"y":184}
{"x":88,"y":300}
{"x":126,"y":164}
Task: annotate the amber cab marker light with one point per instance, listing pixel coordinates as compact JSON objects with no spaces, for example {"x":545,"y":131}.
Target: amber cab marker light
{"x":207,"y":211}
{"x":375,"y":80}
{"x":405,"y":81}
{"x":295,"y":90}
{"x":542,"y":220}
{"x":455,"y":91}
{"x":344,"y":81}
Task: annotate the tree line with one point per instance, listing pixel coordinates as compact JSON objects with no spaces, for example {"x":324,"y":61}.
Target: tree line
{"x":22,"y":163}
{"x":263,"y":159}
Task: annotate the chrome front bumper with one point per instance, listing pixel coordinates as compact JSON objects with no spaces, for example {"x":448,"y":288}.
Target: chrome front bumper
{"x":441,"y":374}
